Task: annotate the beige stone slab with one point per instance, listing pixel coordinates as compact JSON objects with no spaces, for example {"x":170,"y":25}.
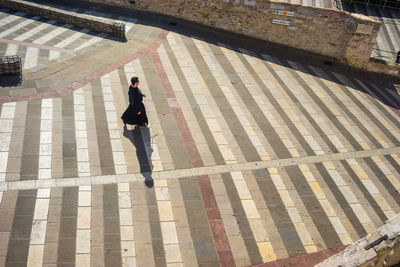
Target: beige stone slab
{"x":127,"y":233}
{"x":83,"y":241}
{"x":82,"y":259}
{"x":125,"y":217}
{"x":41,"y":209}
{"x":172,"y":253}
{"x":162,"y":194}
{"x":165,"y":211}
{"x":38,"y":233}
{"x":169,"y":233}
{"x":128,"y":249}
{"x":124,"y":199}
{"x":85,"y":199}
{"x":84,"y":218}
{"x":35,"y":256}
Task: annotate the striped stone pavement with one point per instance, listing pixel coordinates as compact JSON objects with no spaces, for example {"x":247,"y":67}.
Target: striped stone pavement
{"x":249,"y":158}
{"x":38,"y":41}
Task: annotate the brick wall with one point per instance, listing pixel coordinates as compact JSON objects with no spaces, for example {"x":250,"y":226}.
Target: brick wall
{"x":338,"y":34}
{"x":347,"y":37}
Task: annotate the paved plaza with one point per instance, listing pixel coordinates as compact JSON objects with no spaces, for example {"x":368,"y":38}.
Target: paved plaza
{"x":250,"y":156}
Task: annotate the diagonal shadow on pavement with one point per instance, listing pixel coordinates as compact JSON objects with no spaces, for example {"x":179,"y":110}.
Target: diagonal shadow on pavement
{"x":140,"y":138}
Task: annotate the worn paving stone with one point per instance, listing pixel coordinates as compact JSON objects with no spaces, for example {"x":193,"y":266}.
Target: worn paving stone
{"x":214,"y":102}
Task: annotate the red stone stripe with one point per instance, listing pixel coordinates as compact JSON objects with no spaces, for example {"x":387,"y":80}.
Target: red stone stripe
{"x":210,"y":204}
{"x":78,"y":84}
{"x":44,"y":47}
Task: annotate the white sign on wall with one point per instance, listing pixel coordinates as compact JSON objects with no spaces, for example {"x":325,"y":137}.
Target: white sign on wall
{"x":284,"y":13}
{"x":281,"y":22}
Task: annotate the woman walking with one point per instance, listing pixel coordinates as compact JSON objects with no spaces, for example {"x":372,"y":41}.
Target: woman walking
{"x":135,"y":114}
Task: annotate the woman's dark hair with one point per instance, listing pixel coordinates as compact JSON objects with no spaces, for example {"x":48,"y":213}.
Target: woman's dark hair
{"x":134,"y":79}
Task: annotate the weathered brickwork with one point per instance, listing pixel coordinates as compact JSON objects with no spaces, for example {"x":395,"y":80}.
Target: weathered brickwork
{"x":338,"y":34}
{"x":81,"y":20}
{"x":346,"y":37}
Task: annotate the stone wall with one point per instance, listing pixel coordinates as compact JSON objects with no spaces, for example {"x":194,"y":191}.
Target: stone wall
{"x":81,"y":20}
{"x":347,"y":37}
{"x":386,"y":253}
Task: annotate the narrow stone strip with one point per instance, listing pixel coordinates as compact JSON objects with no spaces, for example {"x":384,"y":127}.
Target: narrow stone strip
{"x":155,"y":219}
{"x":6,"y":129}
{"x":186,"y":245}
{"x":70,"y":167}
{"x":109,"y":179}
{"x":57,"y":140}
{"x":168,"y":225}
{"x":141,"y":222}
{"x":112,"y":234}
{"x":37,"y":241}
{"x":112,"y":121}
{"x":83,"y":232}
{"x":30,"y":155}
{"x":213,"y":214}
{"x":46,"y":137}
{"x":53,"y":227}
{"x":199,"y":226}
{"x":68,"y":226}
{"x":82,"y":150}
{"x":97,"y":227}
{"x":39,"y":225}
{"x":91,"y":140}
{"x":18,"y":246}
{"x":7,"y":210}
{"x":103,"y":138}
{"x":128,"y":250}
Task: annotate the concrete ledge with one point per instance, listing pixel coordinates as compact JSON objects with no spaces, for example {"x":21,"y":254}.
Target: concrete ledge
{"x":81,"y":20}
{"x":384,"y":253}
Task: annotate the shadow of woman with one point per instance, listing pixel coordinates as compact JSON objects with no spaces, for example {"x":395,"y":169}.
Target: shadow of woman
{"x":141,"y":139}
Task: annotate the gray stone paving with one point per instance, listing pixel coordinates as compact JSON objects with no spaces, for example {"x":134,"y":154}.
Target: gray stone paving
{"x":250,"y":157}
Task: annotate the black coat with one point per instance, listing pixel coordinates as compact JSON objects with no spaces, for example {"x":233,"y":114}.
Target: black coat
{"x":130,"y":115}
